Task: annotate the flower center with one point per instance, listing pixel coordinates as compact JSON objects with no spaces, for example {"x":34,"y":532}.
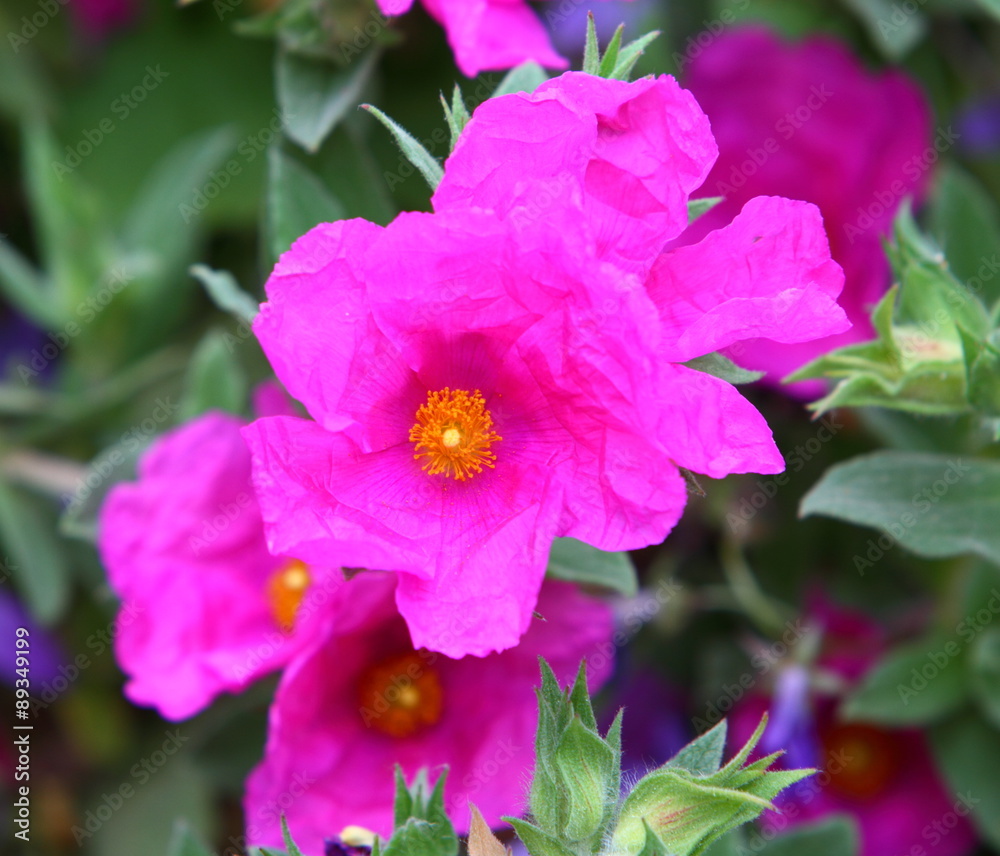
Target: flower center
{"x":285,"y":590}
{"x":401,"y":695}
{"x":453,"y":434}
{"x":861,"y":760}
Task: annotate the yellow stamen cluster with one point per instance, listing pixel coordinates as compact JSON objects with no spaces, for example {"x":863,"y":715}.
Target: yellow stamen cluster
{"x":453,"y":434}
{"x":285,"y":590}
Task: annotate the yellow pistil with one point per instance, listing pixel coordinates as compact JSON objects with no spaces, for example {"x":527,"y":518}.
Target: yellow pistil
{"x":285,"y":590}
{"x":453,"y":434}
{"x":400,"y":695}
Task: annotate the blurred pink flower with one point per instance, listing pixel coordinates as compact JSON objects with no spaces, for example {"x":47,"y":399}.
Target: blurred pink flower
{"x":362,"y":700}
{"x":808,"y":121}
{"x":885,"y":779}
{"x":99,"y":18}
{"x":207,"y":609}
{"x":488,"y":35}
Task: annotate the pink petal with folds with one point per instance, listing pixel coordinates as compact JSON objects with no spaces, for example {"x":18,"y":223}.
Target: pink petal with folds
{"x":708,"y":427}
{"x":809,"y":120}
{"x":323,"y":499}
{"x":316,"y":318}
{"x":627,"y":154}
{"x":489,"y":35}
{"x":767,"y":274}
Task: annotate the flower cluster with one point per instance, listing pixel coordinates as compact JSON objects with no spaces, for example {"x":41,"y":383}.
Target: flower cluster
{"x":479,"y":381}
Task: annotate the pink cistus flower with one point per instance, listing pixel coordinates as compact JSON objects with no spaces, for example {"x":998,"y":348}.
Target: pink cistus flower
{"x":209,"y":608}
{"x":809,"y":121}
{"x":483,"y":382}
{"x":488,"y":35}
{"x":463,"y":417}
{"x":362,"y":699}
{"x":884,"y":778}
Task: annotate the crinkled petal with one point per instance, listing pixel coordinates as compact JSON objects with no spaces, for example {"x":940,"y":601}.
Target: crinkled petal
{"x":767,"y":274}
{"x":489,"y":35}
{"x":708,"y":427}
{"x":315,"y":320}
{"x":624,"y":156}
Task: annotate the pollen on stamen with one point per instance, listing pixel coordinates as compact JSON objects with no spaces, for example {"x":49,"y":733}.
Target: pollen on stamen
{"x":285,"y":590}
{"x":453,"y":434}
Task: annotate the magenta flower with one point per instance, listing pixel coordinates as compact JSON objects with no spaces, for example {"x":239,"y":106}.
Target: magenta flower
{"x":480,"y":388}
{"x":463,"y":417}
{"x":363,"y":699}
{"x":209,"y":608}
{"x":885,"y":779}
{"x":99,"y":18}
{"x":809,"y":122}
{"x":488,"y":35}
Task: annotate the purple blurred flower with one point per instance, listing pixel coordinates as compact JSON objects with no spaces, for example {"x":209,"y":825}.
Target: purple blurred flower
{"x":46,"y":655}
{"x":978,"y":125}
{"x":567,"y":22}
{"x":655,"y":727}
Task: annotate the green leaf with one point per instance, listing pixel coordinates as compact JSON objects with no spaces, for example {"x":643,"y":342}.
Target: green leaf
{"x":587,"y":770}
{"x":226,"y":293}
{"x":837,"y":836}
{"x":25,"y":287}
{"x":681,"y":812}
{"x":722,"y":367}
{"x":113,"y":465}
{"x":610,"y":59}
{"x":456,"y":114}
{"x":183,"y":842}
{"x":152,"y":226}
{"x":703,"y":755}
{"x":967,"y":751}
{"x":39,"y":566}
{"x":893,"y":30}
{"x":296,"y":201}
{"x":630,"y":55}
{"x":984,"y":673}
{"x":526,"y":77}
{"x":935,"y":505}
{"x":215,"y":380}
{"x":963,"y":218}
{"x":290,"y":847}
{"x":591,"y":49}
{"x":915,"y":684}
{"x":314,"y":95}
{"x":697,"y":207}
{"x":73,"y":242}
{"x":538,"y":843}
{"x":992,"y":7}
{"x":422,"y":827}
{"x":575,"y":561}
{"x":411,"y":148}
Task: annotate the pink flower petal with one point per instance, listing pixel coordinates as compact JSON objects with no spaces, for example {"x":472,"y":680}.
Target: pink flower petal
{"x":767,"y":274}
